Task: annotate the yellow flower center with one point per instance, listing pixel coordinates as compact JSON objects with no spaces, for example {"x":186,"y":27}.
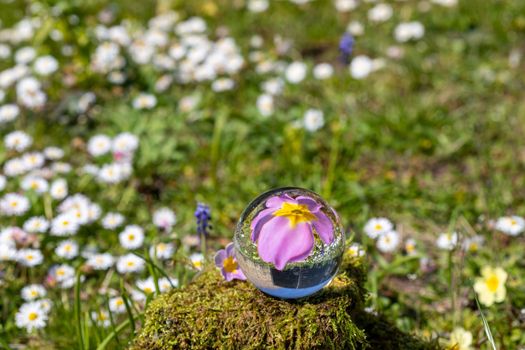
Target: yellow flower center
{"x":131,"y":236}
{"x":410,"y":248}
{"x":296,"y":213}
{"x":131,"y":263}
{"x":492,"y":283}
{"x":119,"y":302}
{"x":229,"y":264}
{"x":148,"y":290}
{"x":29,"y":257}
{"x":32,"y":316}
{"x":378,"y":227}
{"x":513,"y":222}
{"x":34,"y":293}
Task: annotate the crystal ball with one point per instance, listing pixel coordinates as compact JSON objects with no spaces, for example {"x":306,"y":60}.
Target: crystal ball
{"x":289,"y":242}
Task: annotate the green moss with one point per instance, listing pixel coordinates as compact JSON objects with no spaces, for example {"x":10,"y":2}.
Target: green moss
{"x":212,"y":314}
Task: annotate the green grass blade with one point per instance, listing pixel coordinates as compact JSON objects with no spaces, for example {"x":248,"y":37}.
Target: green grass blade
{"x":113,"y":334}
{"x":486,"y":325}
{"x":78,"y":315}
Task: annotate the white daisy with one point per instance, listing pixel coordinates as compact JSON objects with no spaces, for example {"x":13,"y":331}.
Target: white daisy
{"x":67,"y":249}
{"x":144,"y":101}
{"x":265,"y":105}
{"x":132,"y":237}
{"x":162,"y":251}
{"x":164,"y":218}
{"x":59,"y":189}
{"x":34,"y":183}
{"x":36,"y":224}
{"x":101,"y":317}
{"x":130,"y":263}
{"x":147,"y":286}
{"x":409,"y":31}
{"x":388,"y":242}
{"x":510,"y":225}
{"x":447,"y":241}
{"x":65,"y":224}
{"x":31,"y":316}
{"x":7,"y":252}
{"x":14,"y":204}
{"x":17,"y":140}
{"x":323,"y":71}
{"x":313,"y":119}
{"x":45,"y":65}
{"x":295,"y":72}
{"x":112,"y":220}
{"x":377,"y":226}
{"x":32,"y":292}
{"x":116,"y":305}
{"x":8,"y":113}
{"x":380,"y":13}
{"x":361,"y":66}
{"x":29,"y":257}
{"x":197,"y":259}
{"x":101,"y":261}
{"x":99,"y":145}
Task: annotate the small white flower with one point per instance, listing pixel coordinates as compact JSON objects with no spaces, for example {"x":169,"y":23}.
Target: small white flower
{"x":323,"y":71}
{"x":377,"y":226}
{"x":33,"y":160}
{"x":25,"y":55}
{"x":388,"y":242}
{"x":409,"y":31}
{"x":130,"y":263}
{"x":265,"y":104}
{"x":3,"y":182}
{"x":117,"y":305}
{"x":410,"y":246}
{"x":29,"y":257}
{"x":36,"y":224}
{"x":258,"y":6}
{"x":32,"y":292}
{"x":33,"y":183}
{"x":15,"y":167}
{"x":53,"y":153}
{"x":31,"y":316}
{"x":45,"y":65}
{"x":18,"y":140}
{"x":111,"y":173}
{"x":112,"y":220}
{"x":273,"y":86}
{"x":188,"y":103}
{"x":222,"y":84}
{"x":162,"y":251}
{"x":65,"y":224}
{"x":166,"y":284}
{"x":380,"y":13}
{"x":510,"y":225}
{"x":13,"y":204}
{"x":147,"y":286}
{"x":472,"y":244}
{"x":144,"y":101}
{"x":313,"y":119}
{"x":361,"y":66}
{"x":345,"y":5}
{"x":67,"y":249}
{"x":447,"y":241}
{"x":7,"y":252}
{"x":356,"y":250}
{"x":125,"y":143}
{"x":101,"y":317}
{"x":99,"y":145}
{"x":197,"y":260}
{"x":164,"y":218}
{"x":58,"y":189}
{"x":8,"y":113}
{"x":295,"y":72}
{"x":132,"y":237}
{"x":446,"y":3}
{"x":355,"y":28}
{"x":101,"y":261}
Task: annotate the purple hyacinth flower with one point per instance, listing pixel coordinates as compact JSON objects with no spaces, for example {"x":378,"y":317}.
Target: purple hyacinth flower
{"x":346,"y":45}
{"x":226,"y":261}
{"x":284,"y":231}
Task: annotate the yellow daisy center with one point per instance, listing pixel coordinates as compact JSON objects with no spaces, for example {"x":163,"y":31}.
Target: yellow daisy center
{"x":378,"y":227}
{"x":296,"y":213}
{"x":229,"y":264}
{"x":32,"y":316}
{"x":492,"y":283}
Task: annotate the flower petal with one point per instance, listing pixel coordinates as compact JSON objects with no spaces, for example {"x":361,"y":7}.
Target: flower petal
{"x":277,"y":201}
{"x":323,"y":226}
{"x":280,"y":244}
{"x":230,"y":250}
{"x":219,"y":258}
{"x":257,"y":223}
{"x":312,"y":205}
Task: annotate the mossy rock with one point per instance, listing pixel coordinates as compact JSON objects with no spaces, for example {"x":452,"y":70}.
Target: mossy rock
{"x":210,"y":313}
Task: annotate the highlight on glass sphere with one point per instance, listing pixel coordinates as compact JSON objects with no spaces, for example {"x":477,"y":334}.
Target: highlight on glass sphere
{"x":289,"y":242}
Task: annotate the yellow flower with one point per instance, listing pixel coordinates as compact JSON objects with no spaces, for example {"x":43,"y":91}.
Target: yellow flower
{"x":460,"y":339}
{"x":491,"y":285}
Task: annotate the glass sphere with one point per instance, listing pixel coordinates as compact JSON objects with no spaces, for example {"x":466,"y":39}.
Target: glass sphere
{"x":289,"y":242}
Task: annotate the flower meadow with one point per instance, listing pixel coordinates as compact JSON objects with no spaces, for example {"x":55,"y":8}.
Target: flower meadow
{"x":133,"y":134}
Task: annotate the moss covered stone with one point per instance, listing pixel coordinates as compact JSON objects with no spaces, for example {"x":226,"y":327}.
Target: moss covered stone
{"x":212,"y":314}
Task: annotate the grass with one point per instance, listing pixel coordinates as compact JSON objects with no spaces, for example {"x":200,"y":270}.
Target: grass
{"x":433,"y":141}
